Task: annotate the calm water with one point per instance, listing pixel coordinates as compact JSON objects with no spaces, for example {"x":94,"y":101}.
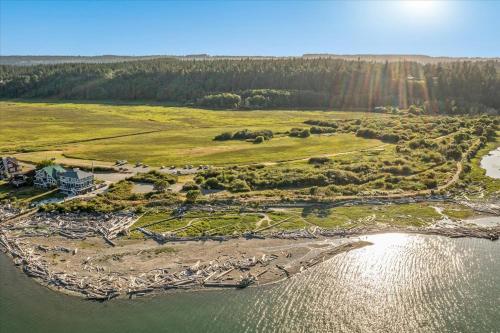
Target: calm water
{"x":403,"y":283}
{"x":491,"y":163}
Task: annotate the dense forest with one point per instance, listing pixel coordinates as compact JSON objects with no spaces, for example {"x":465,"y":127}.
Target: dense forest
{"x":448,"y":87}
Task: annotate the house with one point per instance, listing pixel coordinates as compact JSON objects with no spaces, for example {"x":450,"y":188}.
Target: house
{"x":76,"y":181}
{"x":18,"y":180}
{"x":48,"y":176}
{"x":8,"y":167}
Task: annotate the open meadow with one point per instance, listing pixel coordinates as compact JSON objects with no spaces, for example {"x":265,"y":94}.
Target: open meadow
{"x":159,"y":135}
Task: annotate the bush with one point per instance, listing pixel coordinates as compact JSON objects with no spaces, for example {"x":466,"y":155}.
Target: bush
{"x":321,"y":130}
{"x":367,"y":133}
{"x":415,"y":110}
{"x":322,"y":123}
{"x":453,"y":153}
{"x":192,"y":195}
{"x":190,"y":186}
{"x":256,"y":102}
{"x":300,"y":133}
{"x":245,"y":135}
{"x":213,"y":184}
{"x":44,"y":163}
{"x":153,"y":177}
{"x":224,"y":136}
{"x":319,"y":160}
{"x":239,"y":185}
{"x":221,"y":101}
{"x":259,"y":139}
{"x":390,"y":137}
{"x":430,"y":183}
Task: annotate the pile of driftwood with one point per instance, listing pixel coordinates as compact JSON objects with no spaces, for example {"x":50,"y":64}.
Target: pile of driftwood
{"x":484,"y":207}
{"x":105,"y":284}
{"x":211,"y":274}
{"x":35,"y":266}
{"x":8,"y":211}
{"x":172,"y":237}
{"x":75,"y":225}
{"x":294,"y":234}
{"x":491,"y":233}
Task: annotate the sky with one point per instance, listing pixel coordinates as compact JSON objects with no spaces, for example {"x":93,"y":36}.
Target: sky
{"x":275,"y":28}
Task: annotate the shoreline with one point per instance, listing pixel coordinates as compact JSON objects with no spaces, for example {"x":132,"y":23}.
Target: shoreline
{"x":201,"y":264}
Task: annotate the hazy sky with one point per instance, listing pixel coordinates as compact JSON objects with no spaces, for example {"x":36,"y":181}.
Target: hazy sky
{"x":249,"y":28}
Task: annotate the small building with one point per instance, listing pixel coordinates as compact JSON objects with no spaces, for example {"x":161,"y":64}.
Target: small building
{"x":76,"y":181}
{"x":8,"y":167}
{"x":48,"y":177}
{"x":18,"y":180}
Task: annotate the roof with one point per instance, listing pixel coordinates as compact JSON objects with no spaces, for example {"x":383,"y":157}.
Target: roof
{"x":8,"y":158}
{"x":53,"y":170}
{"x":76,"y":173}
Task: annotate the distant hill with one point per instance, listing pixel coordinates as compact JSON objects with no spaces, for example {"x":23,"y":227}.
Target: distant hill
{"x":51,"y":60}
{"x":396,"y":57}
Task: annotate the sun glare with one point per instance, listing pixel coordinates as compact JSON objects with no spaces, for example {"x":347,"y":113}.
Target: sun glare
{"x":419,"y":6}
{"x":421,"y":11}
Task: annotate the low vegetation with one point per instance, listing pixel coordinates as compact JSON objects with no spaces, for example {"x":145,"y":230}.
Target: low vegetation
{"x":425,"y":157}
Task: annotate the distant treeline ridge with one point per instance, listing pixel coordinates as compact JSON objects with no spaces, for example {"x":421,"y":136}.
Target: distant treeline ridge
{"x":449,"y":87}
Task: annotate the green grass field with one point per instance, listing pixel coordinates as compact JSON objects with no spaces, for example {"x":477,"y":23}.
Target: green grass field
{"x":183,"y":135}
{"x":228,"y":223}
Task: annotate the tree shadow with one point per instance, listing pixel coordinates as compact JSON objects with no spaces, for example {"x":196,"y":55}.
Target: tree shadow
{"x":319,"y":211}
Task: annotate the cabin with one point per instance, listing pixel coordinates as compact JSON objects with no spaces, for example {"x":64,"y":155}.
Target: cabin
{"x":8,"y":167}
{"x":48,"y":177}
{"x":76,"y":182}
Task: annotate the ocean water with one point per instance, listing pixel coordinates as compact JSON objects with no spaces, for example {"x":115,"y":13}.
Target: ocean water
{"x":402,"y":283}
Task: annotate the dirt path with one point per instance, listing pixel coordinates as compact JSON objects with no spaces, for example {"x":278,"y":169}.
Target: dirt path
{"x":265,"y":218}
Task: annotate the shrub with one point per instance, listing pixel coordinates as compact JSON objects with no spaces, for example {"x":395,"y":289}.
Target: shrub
{"x":223,"y":136}
{"x":318,"y":160}
{"x":321,"y":130}
{"x":213,"y":184}
{"x":153,"y":177}
{"x":390,"y":137}
{"x":367,"y":133}
{"x":190,"y":186}
{"x":453,"y":153}
{"x":223,"y":101}
{"x":192,"y":195}
{"x":259,"y":139}
{"x":44,"y":163}
{"x":239,"y":185}
{"x":257,"y":102}
{"x":305,"y":133}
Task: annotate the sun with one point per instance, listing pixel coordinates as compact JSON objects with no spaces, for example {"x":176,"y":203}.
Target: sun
{"x":423,"y":11}
{"x":419,"y":6}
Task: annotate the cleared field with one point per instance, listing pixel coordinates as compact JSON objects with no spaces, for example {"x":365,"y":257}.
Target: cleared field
{"x":164,"y":135}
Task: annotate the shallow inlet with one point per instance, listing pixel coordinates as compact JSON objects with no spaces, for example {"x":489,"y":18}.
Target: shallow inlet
{"x":421,"y":283}
{"x":491,"y":163}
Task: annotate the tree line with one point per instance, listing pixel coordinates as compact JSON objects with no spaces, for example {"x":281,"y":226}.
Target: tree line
{"x":450,"y":87}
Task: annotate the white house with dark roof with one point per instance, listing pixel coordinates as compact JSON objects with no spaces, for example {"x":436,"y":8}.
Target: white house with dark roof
{"x":48,"y":177}
{"x":76,"y":181}
{"x":8,"y":167}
